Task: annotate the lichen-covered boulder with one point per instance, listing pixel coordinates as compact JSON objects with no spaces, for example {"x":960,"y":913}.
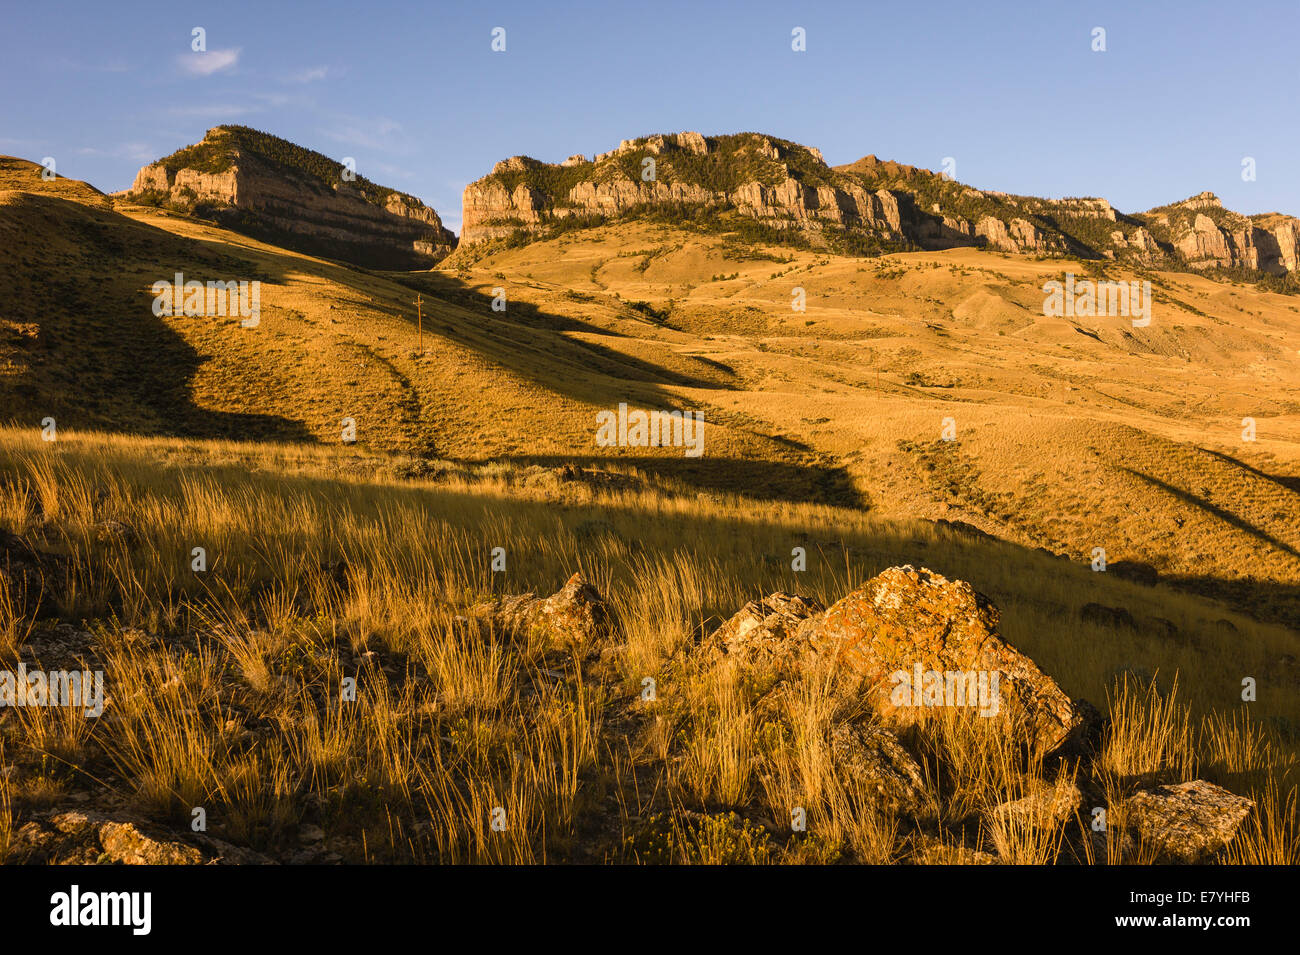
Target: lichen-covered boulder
{"x":919,"y":641}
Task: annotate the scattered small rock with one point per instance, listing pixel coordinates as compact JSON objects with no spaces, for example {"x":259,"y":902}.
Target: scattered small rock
{"x":116,"y":532}
{"x":29,"y":573}
{"x":1047,"y":806}
{"x":574,"y":614}
{"x":964,"y":529}
{"x":1116,"y":618}
{"x":1137,"y":572}
{"x":874,"y":756}
{"x":766,"y":626}
{"x":1162,"y":629}
{"x":926,"y":849}
{"x":1225,"y":628}
{"x":1189,"y":822}
{"x":84,"y":837}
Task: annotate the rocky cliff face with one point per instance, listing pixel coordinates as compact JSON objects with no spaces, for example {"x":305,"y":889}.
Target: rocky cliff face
{"x":775,"y":182}
{"x":784,"y":185}
{"x":270,"y":188}
{"x":1203,"y":233}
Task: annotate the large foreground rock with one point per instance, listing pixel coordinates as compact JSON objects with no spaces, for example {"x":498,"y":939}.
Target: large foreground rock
{"x":1190,"y":823}
{"x":907,"y":620}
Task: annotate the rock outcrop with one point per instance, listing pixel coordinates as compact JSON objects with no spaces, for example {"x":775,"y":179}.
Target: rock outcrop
{"x":88,"y":837}
{"x":272,"y":189}
{"x":778,"y":183}
{"x":1203,"y":234}
{"x":572,"y":615}
{"x":906,"y":624}
{"x":784,"y":185}
{"x":916,"y":643}
{"x":1019,"y":235}
{"x":768,"y":627}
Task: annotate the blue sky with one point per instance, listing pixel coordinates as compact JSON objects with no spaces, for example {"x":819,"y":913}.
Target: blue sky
{"x":1013,"y":92}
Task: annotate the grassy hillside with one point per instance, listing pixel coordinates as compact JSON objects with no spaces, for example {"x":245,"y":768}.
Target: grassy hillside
{"x":332,"y":343}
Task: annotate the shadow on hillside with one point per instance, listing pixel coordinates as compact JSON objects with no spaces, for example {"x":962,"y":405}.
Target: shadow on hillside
{"x":1266,"y":600}
{"x":531,"y":342}
{"x":100,"y":358}
{"x":760,"y":480}
{"x":524,"y":334}
{"x":755,"y":541}
{"x":1286,"y":481}
{"x":1226,"y":516}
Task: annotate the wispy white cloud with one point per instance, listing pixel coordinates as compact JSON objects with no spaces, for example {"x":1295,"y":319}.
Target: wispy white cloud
{"x":313,"y":75}
{"x":393,"y":173}
{"x":253,"y":102}
{"x":276,"y":100}
{"x":212,"y":61}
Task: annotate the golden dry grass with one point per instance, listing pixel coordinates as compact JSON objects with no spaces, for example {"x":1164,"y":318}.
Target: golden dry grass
{"x":226,"y":686}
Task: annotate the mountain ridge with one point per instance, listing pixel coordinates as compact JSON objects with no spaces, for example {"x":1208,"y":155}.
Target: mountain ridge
{"x":271,"y":188}
{"x":784,"y":185}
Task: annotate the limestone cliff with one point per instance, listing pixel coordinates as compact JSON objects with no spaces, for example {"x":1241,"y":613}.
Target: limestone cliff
{"x":272,"y":189}
{"x":787,"y":186}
